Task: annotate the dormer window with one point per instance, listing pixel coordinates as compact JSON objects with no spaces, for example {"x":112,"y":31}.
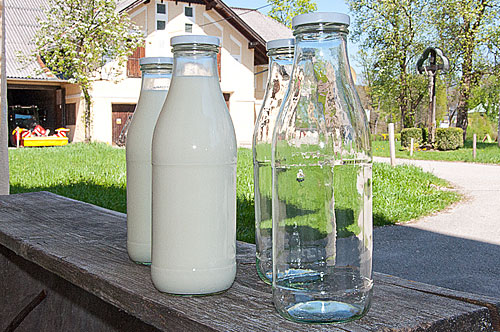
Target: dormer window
{"x":188,"y":28}
{"x":188,"y":11}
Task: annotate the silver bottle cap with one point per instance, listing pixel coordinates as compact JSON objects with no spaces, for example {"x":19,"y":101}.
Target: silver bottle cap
{"x":195,"y":39}
{"x":279,"y":43}
{"x":320,"y":17}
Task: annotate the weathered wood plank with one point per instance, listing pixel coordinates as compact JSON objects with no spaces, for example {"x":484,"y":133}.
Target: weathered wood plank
{"x":86,"y":246}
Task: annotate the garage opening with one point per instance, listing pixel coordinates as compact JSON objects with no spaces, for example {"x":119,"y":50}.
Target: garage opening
{"x":30,"y":105}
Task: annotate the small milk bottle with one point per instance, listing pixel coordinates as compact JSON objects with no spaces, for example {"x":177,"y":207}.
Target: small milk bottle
{"x":322,"y":176}
{"x":280,"y":52}
{"x":194,"y":177}
{"x":156,"y":75}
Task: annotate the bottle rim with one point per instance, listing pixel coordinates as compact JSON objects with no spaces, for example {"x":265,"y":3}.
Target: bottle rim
{"x":195,"y":39}
{"x":321,"y":17}
{"x":157,"y":60}
{"x":280,"y":43}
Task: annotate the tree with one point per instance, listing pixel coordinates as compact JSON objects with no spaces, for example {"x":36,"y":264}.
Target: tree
{"x":284,"y":10}
{"x":392,"y":33}
{"x":79,"y":39}
{"x":466,"y":31}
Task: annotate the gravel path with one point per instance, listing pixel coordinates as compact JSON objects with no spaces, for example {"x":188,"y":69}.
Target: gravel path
{"x":458,"y":248}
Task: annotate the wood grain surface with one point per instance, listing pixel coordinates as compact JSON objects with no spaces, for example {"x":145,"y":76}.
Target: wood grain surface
{"x":86,"y":246}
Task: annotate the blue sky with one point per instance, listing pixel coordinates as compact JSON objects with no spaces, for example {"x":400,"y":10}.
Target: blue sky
{"x":339,"y":6}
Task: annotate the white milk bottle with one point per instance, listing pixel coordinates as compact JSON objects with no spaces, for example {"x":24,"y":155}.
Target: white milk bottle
{"x":156,"y":75}
{"x":194,"y":177}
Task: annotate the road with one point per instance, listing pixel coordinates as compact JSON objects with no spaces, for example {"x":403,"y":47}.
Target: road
{"x":458,"y":248}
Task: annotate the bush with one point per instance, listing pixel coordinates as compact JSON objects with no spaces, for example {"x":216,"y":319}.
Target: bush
{"x":425,"y":135}
{"x":397,"y":137}
{"x":449,"y":138}
{"x":408,"y":133}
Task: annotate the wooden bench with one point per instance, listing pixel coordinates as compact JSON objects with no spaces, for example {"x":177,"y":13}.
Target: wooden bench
{"x":65,"y":268}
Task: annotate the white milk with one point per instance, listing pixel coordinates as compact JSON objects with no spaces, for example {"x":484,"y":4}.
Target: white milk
{"x":194,"y":190}
{"x":139,"y":139}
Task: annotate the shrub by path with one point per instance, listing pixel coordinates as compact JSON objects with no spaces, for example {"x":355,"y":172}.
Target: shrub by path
{"x":458,"y":248}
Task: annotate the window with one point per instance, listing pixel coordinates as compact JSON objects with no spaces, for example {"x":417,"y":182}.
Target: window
{"x":160,"y":25}
{"x":161,"y":15}
{"x":161,"y":8}
{"x":188,"y":27}
{"x":188,"y":11}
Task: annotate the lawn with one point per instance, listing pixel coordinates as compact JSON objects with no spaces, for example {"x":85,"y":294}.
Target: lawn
{"x":486,"y":152}
{"x":95,"y":173}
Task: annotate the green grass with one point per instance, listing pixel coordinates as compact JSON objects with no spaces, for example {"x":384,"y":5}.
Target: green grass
{"x":486,"y":152}
{"x":95,"y":173}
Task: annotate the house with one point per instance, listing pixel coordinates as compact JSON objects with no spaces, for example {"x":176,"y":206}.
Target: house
{"x":243,"y":61}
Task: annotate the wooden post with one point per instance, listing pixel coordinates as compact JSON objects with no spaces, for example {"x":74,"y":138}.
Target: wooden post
{"x":474,"y":141}
{"x":411,"y":146}
{"x":392,"y":146}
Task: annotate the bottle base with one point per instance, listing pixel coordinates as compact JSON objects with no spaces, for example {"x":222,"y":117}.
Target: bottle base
{"x":139,"y":253}
{"x":264,"y":275}
{"x":193,"y":282}
{"x":310,"y":296}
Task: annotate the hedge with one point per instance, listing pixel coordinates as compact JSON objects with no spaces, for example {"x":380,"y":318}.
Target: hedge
{"x":408,"y":133}
{"x":449,"y":138}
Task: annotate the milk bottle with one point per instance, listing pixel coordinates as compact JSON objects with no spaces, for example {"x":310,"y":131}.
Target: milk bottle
{"x":194,"y":177}
{"x":156,"y":75}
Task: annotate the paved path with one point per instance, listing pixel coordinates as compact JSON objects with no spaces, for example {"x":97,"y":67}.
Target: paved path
{"x":458,"y":248}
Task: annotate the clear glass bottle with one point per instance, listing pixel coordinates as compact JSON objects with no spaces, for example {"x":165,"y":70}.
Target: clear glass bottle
{"x":322,"y":170}
{"x":156,"y":75}
{"x":194,"y":177}
{"x":280,"y":52}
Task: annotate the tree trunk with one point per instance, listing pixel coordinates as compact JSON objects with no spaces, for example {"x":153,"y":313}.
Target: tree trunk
{"x":87,"y":115}
{"x":464,"y":95}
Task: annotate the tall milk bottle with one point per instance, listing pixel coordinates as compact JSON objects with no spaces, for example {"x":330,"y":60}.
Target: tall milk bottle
{"x":156,"y":76}
{"x":280,"y":52}
{"x":194,"y":177}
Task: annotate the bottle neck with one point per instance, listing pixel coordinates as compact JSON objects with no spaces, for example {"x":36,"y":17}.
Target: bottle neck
{"x":195,"y":60}
{"x":322,"y":45}
{"x":156,"y":76}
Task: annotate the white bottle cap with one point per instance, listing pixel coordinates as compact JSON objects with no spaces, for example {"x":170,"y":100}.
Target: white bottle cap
{"x":156,"y":60}
{"x":278,"y":43}
{"x":320,"y":17}
{"x":195,"y":39}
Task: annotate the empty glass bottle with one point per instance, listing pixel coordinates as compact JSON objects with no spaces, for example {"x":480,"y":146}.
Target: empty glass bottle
{"x":156,"y":75}
{"x":280,"y":52}
{"x":322,"y":215}
{"x":194,"y":177}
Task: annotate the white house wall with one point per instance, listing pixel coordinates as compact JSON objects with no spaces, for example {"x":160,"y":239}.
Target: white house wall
{"x":237,"y":66}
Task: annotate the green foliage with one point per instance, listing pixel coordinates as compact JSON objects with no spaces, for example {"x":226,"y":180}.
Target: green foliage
{"x":391,"y":34}
{"x":482,"y":125}
{"x":486,"y":152}
{"x":85,"y":40}
{"x":284,"y":10}
{"x":449,"y":138}
{"x":425,"y":135}
{"x":408,"y":133}
{"x":469,"y":32}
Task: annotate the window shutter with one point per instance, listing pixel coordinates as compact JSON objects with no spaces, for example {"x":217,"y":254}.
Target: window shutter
{"x":133,"y":68}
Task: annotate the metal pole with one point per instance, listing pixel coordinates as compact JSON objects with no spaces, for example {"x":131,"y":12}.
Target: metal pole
{"x":392,"y":146}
